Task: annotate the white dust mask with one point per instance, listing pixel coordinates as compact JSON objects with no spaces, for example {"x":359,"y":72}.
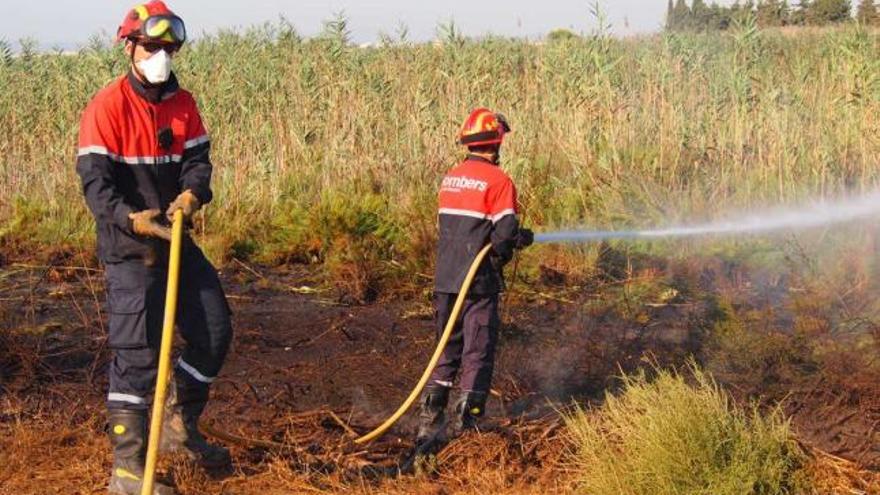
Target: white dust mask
{"x":157,"y":68}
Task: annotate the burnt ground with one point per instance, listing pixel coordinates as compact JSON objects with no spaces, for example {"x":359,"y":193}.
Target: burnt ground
{"x":306,"y":372}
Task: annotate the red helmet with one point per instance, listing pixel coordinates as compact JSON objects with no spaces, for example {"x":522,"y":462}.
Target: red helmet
{"x":483,"y":127}
{"x":152,"y":21}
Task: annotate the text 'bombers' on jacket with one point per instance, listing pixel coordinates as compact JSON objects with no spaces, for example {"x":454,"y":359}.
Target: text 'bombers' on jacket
{"x":139,"y":147}
{"x":478,"y":205}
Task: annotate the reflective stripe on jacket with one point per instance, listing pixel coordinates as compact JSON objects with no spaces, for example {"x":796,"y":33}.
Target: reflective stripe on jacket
{"x":139,"y":147}
{"x":478,"y":205}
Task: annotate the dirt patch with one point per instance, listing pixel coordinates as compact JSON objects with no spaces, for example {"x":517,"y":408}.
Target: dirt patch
{"x":306,"y":371}
{"x":842,"y":418}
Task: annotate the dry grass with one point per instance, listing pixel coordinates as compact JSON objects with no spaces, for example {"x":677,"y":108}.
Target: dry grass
{"x":607,"y":132}
{"x":47,"y":453}
{"x":831,"y":474}
{"x":52,"y":408}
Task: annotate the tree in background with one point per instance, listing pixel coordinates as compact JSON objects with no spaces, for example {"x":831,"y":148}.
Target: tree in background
{"x":798,"y":16}
{"x":700,"y":16}
{"x":822,"y":12}
{"x":772,"y":13}
{"x":719,"y":17}
{"x":561,"y":35}
{"x":680,"y":19}
{"x":867,"y":13}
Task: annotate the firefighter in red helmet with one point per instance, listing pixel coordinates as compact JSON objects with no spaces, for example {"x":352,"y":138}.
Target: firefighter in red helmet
{"x":477,"y":206}
{"x":143,"y":154}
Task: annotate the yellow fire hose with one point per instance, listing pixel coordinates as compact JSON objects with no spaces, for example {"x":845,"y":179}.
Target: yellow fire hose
{"x":168,"y":338}
{"x":441,"y":345}
{"x":164,"y":354}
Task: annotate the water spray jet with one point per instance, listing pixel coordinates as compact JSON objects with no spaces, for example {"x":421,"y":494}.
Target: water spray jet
{"x":810,"y":215}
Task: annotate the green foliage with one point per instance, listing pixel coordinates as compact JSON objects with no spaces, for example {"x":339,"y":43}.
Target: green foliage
{"x":608,"y":132}
{"x":683,"y":435}
{"x":5,"y":52}
{"x":769,"y":13}
{"x":29,"y":224}
{"x":763,"y":360}
{"x":773,"y":13}
{"x":814,"y":319}
{"x":24,"y":217}
{"x":560,"y":36}
{"x":680,"y":17}
{"x":337,"y":35}
{"x":822,"y":12}
{"x":350,"y":233}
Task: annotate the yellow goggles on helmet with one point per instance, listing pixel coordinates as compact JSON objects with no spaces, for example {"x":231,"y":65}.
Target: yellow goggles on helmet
{"x":165,"y":28}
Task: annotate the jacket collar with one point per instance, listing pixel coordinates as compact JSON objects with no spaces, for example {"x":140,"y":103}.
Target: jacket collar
{"x":154,"y":93}
{"x":477,"y":158}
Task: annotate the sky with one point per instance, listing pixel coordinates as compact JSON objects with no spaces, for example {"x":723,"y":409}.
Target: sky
{"x":68,"y":24}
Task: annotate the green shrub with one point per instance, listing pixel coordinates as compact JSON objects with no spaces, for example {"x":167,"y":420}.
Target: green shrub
{"x":352,"y":235}
{"x":672,"y":435}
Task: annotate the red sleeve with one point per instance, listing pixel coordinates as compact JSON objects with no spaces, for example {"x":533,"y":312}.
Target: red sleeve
{"x":96,"y":133}
{"x":98,"y":147}
{"x":501,"y":200}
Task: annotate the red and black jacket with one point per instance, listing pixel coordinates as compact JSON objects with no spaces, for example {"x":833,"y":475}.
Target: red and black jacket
{"x":139,"y":147}
{"x":478,"y":206}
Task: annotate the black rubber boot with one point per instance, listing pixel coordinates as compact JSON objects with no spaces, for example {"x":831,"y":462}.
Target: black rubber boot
{"x":471,"y":406}
{"x":432,"y":415}
{"x":128,"y":436}
{"x":432,"y":431}
{"x":180,"y":429}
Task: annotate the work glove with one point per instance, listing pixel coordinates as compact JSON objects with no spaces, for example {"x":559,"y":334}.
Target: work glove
{"x":524,"y":239}
{"x":187,"y":202}
{"x":144,"y":223}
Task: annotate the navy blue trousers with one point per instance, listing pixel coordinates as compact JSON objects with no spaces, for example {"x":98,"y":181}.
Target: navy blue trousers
{"x":136,"y":304}
{"x":471,"y":347}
